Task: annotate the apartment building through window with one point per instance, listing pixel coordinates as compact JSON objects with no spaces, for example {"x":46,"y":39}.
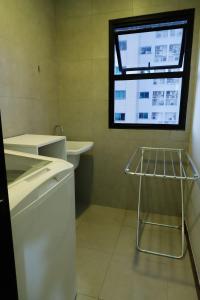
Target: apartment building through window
{"x":149,"y":70}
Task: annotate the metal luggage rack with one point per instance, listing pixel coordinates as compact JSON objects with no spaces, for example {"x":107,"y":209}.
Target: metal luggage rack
{"x":162,"y":163}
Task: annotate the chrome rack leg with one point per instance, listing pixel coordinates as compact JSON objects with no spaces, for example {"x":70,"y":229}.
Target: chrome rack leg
{"x":138,"y":216}
{"x":139,"y":221}
{"x":182,"y":211}
{"x":182,"y":223}
{"x":139,"y":203}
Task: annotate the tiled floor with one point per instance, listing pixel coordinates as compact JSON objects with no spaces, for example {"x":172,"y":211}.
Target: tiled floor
{"x":110,"y":268}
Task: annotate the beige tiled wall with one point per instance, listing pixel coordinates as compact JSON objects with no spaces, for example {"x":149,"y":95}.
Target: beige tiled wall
{"x":193,"y":195}
{"x":28,"y":98}
{"x":82,"y":53}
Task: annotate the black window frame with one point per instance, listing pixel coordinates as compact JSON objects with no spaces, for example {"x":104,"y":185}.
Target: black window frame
{"x":185,"y":52}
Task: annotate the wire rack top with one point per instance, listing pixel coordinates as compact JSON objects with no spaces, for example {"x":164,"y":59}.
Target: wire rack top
{"x":163,"y":163}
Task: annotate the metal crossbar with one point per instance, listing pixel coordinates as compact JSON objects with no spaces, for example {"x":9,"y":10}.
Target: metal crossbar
{"x":178,"y":165}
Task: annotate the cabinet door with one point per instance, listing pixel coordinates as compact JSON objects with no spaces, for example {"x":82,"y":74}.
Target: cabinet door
{"x":7,"y":263}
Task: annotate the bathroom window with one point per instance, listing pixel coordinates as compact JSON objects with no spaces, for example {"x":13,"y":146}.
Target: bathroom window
{"x":150,"y":60}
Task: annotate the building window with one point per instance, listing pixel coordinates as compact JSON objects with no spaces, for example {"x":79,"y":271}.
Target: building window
{"x":145,"y":50}
{"x":157,"y":117}
{"x":170,"y":117}
{"x":144,"y":95}
{"x":161,"y":34}
{"x":120,"y":94}
{"x":172,"y":80}
{"x":143,"y":115}
{"x":123,"y":45}
{"x":171,"y":97}
{"x":155,"y":66}
{"x":158,"y":98}
{"x":160,"y":53}
{"x":174,"y":52}
{"x":119,"y":116}
{"x":159,"y":81}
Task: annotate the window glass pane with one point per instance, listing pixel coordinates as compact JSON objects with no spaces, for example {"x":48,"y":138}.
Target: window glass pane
{"x":147,"y":101}
{"x":116,"y":66}
{"x":154,"y":48}
{"x":117,"y":71}
{"x":149,"y":70}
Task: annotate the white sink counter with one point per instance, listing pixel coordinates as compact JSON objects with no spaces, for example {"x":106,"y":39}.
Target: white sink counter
{"x":75,"y":148}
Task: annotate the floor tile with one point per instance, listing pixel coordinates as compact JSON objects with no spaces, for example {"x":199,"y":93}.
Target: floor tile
{"x":83,"y":297}
{"x":130,"y":218}
{"x":181,"y":291}
{"x":165,"y":219}
{"x":124,"y":281}
{"x":110,"y":268}
{"x":97,"y":214}
{"x":91,"y":271}
{"x":95,"y":236}
{"x":161,"y":239}
{"x":126,"y":244}
{"x":153,"y":239}
{"x":170,"y":273}
{"x":164,"y":240}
